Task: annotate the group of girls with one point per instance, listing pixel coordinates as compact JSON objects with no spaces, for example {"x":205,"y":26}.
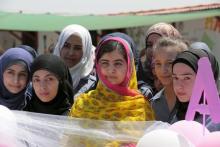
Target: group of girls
{"x":107,"y":82}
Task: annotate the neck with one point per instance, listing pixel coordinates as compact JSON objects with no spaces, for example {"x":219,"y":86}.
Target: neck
{"x":170,"y":97}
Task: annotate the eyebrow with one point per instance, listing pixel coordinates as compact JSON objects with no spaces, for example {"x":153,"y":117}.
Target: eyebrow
{"x":77,"y":45}
{"x":15,"y":70}
{"x":48,"y":75}
{"x":74,"y":44}
{"x":185,"y":74}
{"x":117,"y":60}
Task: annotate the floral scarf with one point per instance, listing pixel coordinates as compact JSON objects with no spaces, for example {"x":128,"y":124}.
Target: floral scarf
{"x":121,"y":102}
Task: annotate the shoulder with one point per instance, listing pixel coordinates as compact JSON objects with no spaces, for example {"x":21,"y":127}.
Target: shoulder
{"x":158,"y":96}
{"x":86,"y":84}
{"x":145,"y":89}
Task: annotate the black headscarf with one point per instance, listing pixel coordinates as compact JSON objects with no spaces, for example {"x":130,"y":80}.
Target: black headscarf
{"x":62,"y":102}
{"x":191,"y":58}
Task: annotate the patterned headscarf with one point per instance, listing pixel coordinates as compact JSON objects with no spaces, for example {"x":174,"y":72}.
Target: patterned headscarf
{"x":11,"y":57}
{"x":114,"y":102}
{"x":164,"y":30}
{"x":86,"y":64}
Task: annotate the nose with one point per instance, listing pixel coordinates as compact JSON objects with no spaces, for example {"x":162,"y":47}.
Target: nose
{"x":111,"y":69}
{"x":179,"y":84}
{"x":165,"y":69}
{"x":15,"y":79}
{"x":43,"y":84}
{"x":72,"y":50}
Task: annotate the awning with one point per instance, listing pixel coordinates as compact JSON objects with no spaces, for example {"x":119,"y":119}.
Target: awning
{"x":54,"y":15}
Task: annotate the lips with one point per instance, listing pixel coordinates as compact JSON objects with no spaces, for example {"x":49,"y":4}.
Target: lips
{"x":180,"y":93}
{"x":112,"y":77}
{"x":15,"y":86}
{"x":69,"y":59}
{"x":44,"y":94}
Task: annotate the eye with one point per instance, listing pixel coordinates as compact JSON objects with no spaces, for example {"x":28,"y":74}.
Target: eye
{"x":35,"y":80}
{"x":50,"y":79}
{"x":67,"y":45}
{"x":78,"y":47}
{"x":9,"y":71}
{"x":118,"y":64}
{"x":175,"y":78}
{"x":23,"y":74}
{"x":157,"y":64}
{"x":103,"y":64}
{"x":186,"y":78}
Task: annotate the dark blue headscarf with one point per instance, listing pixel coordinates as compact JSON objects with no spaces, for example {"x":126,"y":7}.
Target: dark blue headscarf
{"x":10,"y":57}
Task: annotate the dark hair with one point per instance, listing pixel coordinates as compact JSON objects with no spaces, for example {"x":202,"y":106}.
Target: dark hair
{"x":110,"y":46}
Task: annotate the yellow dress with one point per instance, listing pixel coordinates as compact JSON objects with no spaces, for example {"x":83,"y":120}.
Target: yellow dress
{"x":105,"y":104}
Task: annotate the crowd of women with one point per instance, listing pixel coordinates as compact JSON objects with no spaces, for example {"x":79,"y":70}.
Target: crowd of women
{"x":107,"y":82}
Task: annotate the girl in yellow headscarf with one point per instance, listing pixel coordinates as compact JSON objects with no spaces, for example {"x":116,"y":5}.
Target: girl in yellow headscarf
{"x":116,"y":96}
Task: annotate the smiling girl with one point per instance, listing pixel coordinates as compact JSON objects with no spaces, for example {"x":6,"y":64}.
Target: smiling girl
{"x":75,"y":48}
{"x":14,"y":73}
{"x":164,"y":53}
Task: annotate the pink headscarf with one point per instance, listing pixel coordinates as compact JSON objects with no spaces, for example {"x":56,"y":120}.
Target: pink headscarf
{"x":122,"y":88}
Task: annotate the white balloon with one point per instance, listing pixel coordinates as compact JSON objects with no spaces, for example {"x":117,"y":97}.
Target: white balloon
{"x":163,"y":138}
{"x":8,"y":127}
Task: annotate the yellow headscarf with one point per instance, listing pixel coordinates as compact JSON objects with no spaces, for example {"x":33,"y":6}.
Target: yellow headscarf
{"x":114,"y":102}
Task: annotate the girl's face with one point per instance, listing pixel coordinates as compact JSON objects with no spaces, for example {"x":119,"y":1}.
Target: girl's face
{"x":72,"y":51}
{"x":183,"y":81}
{"x":113,"y":66}
{"x":15,"y":78}
{"x":163,"y":60}
{"x":45,"y":85}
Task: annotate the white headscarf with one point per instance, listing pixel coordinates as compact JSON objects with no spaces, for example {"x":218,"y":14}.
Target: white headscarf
{"x":85,"y":66}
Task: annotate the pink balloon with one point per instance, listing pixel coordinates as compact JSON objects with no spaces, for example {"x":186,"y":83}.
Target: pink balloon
{"x":191,"y":130}
{"x":210,"y":140}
